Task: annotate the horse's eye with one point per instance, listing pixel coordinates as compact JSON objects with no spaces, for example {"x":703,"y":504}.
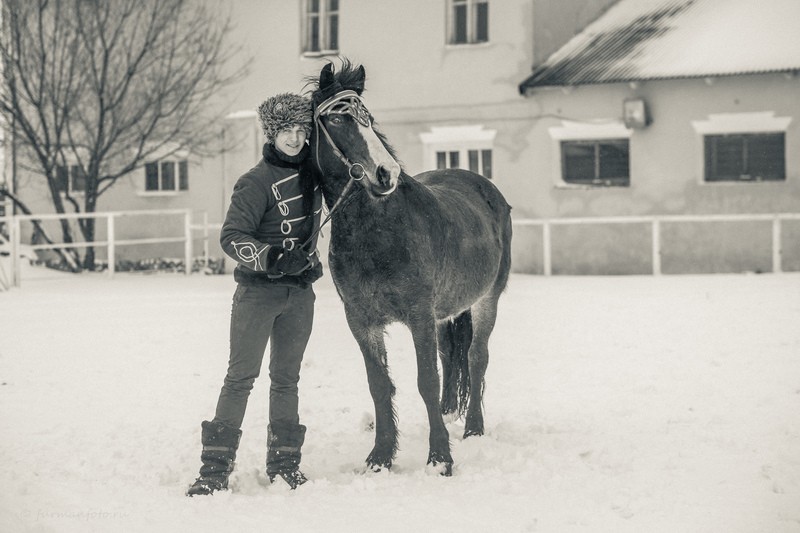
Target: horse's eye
{"x":336,"y":119}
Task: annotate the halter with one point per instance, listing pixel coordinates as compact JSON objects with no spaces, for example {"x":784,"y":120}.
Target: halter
{"x":343,"y":103}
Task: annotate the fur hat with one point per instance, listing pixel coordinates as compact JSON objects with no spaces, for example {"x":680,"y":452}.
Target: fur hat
{"x":283,"y":111}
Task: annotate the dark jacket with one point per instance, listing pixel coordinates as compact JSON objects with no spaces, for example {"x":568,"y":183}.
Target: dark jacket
{"x":268,"y":209}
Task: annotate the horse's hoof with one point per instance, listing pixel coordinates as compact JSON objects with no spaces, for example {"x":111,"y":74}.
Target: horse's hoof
{"x":442,"y":468}
{"x":379,"y":467}
{"x":473,"y":433}
{"x":440,"y":464}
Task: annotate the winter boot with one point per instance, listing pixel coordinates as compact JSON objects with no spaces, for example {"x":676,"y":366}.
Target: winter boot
{"x":219,"y":452}
{"x":283,"y":453}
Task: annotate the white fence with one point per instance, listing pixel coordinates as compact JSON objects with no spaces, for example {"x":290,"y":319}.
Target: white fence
{"x":111,"y":242}
{"x":13,"y":223}
{"x":656,"y":222}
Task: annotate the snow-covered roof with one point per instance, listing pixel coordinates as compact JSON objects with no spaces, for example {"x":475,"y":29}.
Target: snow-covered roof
{"x":661,"y":39}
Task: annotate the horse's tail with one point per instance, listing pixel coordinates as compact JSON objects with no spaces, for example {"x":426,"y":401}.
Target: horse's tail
{"x":455,"y":337}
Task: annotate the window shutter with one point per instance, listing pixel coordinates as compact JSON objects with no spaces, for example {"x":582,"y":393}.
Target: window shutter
{"x":78,"y":179}
{"x":577,"y":161}
{"x":183,"y":176}
{"x":487,"y":163}
{"x":333,"y":25}
{"x":459,"y":22}
{"x":151,"y":177}
{"x":62,"y":178}
{"x":167,"y":176}
{"x":613,"y":161}
{"x":766,"y":157}
{"x":482,"y":22}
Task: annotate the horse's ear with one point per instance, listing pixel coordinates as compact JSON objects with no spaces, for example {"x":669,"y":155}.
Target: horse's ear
{"x":326,"y":76}
{"x":361,"y":76}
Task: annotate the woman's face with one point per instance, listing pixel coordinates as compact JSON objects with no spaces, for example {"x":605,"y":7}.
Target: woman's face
{"x":291,"y":140}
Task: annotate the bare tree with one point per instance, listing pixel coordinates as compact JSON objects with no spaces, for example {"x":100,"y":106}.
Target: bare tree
{"x":104,"y":85}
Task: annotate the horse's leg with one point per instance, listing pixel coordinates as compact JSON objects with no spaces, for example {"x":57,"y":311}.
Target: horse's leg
{"x":423,"y":331}
{"x":371,"y":341}
{"x":449,"y":402}
{"x":484,"y":315}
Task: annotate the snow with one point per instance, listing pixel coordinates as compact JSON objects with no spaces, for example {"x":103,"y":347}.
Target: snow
{"x":680,"y":38}
{"x":617,"y":404}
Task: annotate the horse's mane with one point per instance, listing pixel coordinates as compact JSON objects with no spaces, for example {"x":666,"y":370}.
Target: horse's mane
{"x":346,"y":77}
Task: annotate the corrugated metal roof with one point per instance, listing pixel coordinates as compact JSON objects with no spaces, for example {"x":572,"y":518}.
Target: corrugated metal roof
{"x":659,"y":39}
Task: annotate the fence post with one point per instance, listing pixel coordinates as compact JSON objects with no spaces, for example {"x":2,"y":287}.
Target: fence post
{"x":205,"y":239}
{"x":112,"y":246}
{"x":547,"y":253}
{"x":776,"y":245}
{"x":187,"y":232}
{"x":656,"y":247}
{"x":16,"y":267}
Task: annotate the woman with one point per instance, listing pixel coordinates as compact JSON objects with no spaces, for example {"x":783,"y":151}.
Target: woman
{"x":274,"y":209}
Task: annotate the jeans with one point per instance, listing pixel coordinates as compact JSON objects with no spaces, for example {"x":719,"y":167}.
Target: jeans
{"x":283,"y":316}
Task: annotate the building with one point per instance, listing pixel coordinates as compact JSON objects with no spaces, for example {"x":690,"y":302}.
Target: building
{"x":587,"y":108}
{"x":442,"y":77}
{"x":676,"y":108}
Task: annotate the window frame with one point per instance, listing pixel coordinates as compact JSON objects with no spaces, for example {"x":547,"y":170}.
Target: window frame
{"x":747,"y":124}
{"x":327,"y":24}
{"x":477,"y":160}
{"x":471,"y":20}
{"x":72,"y":171}
{"x":180,"y":176}
{"x":589,"y":133}
{"x":460,"y":141}
{"x":597,"y":159}
{"x":746,"y":173}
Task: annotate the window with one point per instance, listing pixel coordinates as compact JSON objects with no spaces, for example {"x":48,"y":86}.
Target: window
{"x":467,"y":147}
{"x":591,"y":154}
{"x":745,"y":157}
{"x":70,"y":179}
{"x":321,"y":26}
{"x":478,"y":161}
{"x":161,"y":176}
{"x":469,"y":21}
{"x":603,"y":162}
{"x":742,"y":147}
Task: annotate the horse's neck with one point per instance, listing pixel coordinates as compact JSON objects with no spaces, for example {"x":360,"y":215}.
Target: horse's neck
{"x":331,"y":193}
{"x":361,"y":213}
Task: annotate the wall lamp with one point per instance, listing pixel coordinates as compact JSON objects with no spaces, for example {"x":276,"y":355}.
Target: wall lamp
{"x":634,"y":113}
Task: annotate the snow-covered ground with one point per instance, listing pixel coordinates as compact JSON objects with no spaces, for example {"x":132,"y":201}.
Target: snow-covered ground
{"x":641,"y":404}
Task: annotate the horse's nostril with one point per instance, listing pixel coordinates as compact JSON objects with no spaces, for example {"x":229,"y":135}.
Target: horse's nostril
{"x":384,"y":175}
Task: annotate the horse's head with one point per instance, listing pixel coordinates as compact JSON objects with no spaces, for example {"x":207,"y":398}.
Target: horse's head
{"x":344,"y":143}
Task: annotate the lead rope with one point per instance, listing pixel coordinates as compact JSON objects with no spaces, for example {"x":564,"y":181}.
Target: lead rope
{"x":354,"y":177}
{"x":336,"y":205}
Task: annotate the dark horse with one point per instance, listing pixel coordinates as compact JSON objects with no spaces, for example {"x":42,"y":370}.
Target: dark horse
{"x":432,"y":252}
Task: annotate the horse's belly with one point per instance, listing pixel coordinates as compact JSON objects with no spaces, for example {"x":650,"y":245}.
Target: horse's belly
{"x":381,"y":296}
{"x":469,"y":280}
{"x":394,"y":296}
